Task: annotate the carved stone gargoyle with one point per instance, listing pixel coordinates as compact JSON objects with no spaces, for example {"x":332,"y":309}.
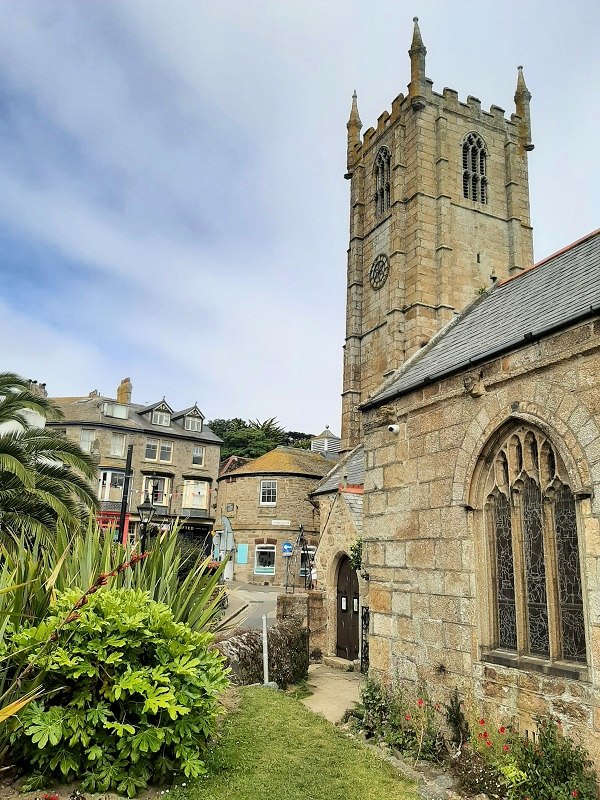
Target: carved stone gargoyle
{"x":474,"y":384}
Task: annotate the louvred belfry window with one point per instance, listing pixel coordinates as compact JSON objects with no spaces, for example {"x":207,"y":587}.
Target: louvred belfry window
{"x":532,"y":532}
{"x":381,"y":172}
{"x":474,"y":164}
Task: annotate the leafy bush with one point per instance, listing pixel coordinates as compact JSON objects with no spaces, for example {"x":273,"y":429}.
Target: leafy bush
{"x":288,"y":655}
{"x":356,"y":552}
{"x":132,"y":695}
{"x":553,"y":766}
{"x":500,"y":763}
{"x":456,"y":719}
{"x":409,"y":725}
{"x":31,"y":572}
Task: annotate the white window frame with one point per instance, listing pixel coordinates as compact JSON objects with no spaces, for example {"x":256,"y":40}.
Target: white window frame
{"x":155,"y":446}
{"x":269,"y":490}
{"x":200,"y":455}
{"x":192,"y":497}
{"x":106,"y":482}
{"x":117,"y":410}
{"x":117,"y":452}
{"x":162,"y":418}
{"x":264,"y":548}
{"x":87,"y":442}
{"x":166,"y":446}
{"x":193,"y":424}
{"x":161,"y":447}
{"x":148,"y":488}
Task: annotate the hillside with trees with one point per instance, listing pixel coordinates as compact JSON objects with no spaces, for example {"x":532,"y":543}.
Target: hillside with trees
{"x":253,"y":438}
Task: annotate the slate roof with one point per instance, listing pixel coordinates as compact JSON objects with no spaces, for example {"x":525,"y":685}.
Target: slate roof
{"x":355,"y":506}
{"x":555,"y":293}
{"x":352,"y":466}
{"x":88,"y":411}
{"x":186,"y":411}
{"x":285,"y":461}
{"x":326,"y":434}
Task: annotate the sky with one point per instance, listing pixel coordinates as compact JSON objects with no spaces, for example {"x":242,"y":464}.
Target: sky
{"x":172,"y":201}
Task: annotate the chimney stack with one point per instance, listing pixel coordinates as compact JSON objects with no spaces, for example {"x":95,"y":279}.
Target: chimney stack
{"x":124,"y":391}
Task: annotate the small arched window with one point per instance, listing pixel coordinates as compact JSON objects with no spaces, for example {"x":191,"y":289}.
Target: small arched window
{"x":474,"y":159}
{"x":382,"y":181}
{"x":535,"y":566}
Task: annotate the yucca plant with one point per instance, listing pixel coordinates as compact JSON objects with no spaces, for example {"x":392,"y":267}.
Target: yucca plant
{"x":34,"y":571}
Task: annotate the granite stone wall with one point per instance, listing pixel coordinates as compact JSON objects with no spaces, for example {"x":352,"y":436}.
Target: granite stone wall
{"x":426,"y":547}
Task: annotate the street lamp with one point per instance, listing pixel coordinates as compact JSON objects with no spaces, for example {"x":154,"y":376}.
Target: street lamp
{"x":146,"y":512}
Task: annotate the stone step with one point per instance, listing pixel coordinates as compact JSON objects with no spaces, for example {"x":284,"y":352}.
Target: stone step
{"x":341,"y":663}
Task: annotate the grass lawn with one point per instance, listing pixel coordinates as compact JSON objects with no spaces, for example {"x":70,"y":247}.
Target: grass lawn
{"x":273,"y":748}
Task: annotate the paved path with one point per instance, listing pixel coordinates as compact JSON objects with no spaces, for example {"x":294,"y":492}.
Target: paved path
{"x":333,"y":691}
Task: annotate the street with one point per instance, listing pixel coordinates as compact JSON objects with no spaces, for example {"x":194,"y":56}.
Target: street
{"x":251,"y":602}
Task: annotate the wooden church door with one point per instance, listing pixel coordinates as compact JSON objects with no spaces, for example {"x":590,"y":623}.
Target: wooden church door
{"x":347,"y":611}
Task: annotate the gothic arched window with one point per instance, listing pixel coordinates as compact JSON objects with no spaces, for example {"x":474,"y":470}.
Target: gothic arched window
{"x":382,"y":181}
{"x":532,"y":532}
{"x":474,"y":159}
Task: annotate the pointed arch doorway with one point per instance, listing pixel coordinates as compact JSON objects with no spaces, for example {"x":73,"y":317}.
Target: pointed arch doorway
{"x":348,"y":612}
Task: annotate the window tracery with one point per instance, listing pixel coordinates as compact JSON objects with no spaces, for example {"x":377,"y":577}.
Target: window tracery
{"x":532,"y":527}
{"x":382,"y":181}
{"x":474,"y":162}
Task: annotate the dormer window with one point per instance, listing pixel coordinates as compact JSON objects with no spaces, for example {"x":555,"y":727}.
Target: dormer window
{"x":117,"y":410}
{"x":161,"y":418}
{"x":193,"y":424}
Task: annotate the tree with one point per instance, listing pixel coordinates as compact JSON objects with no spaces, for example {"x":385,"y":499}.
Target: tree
{"x":44,"y":477}
{"x":254,"y":438}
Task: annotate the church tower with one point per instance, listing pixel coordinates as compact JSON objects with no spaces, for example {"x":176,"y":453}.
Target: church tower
{"x":439,"y":202}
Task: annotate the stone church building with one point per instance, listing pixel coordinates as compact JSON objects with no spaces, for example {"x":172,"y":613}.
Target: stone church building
{"x":472,"y":380}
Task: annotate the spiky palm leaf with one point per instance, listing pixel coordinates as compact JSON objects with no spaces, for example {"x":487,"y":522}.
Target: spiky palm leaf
{"x":44,"y":477}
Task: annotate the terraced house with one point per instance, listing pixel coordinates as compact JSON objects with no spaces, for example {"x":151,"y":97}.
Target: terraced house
{"x":175,"y":458}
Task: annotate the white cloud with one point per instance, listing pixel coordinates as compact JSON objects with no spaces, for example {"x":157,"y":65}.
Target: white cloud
{"x":186,"y":160}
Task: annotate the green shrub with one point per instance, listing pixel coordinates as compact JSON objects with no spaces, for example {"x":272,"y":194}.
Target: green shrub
{"x":288,"y":655}
{"x":456,"y":719}
{"x":132,"y":695}
{"x":499,"y":762}
{"x":554,"y":767}
{"x":408,"y":725}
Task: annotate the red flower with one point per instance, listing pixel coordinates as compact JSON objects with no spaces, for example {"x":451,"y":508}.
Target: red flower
{"x":488,"y":742}
{"x":574,"y":793}
{"x":485,"y":734}
{"x":506,"y":748}
{"x":135,"y":558}
{"x":482,"y":722}
{"x":502,"y":729}
{"x":407,"y":717}
{"x":419,"y":702}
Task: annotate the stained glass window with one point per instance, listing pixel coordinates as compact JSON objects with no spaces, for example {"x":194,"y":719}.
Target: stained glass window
{"x":505,"y":579}
{"x":535,"y":570}
{"x":569,"y":581}
{"x":533,"y":513}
